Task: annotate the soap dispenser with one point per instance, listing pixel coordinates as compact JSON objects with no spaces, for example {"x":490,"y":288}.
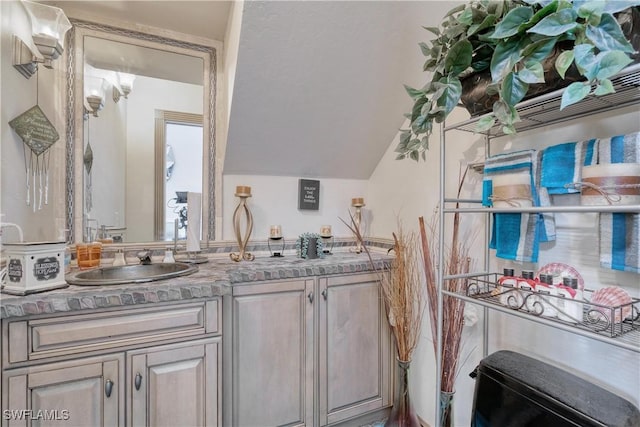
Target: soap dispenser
{"x":168,"y":256}
{"x":119,"y":258}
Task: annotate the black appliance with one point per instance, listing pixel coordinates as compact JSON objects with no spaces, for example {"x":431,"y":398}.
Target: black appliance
{"x":514,"y":390}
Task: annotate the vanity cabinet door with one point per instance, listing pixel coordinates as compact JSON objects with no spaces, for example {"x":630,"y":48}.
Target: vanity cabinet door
{"x":85,"y":392}
{"x":272,"y":354}
{"x":355,"y":348}
{"x":175,"y":385}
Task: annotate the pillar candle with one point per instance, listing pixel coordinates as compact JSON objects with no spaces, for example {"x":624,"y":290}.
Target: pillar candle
{"x":275,"y":232}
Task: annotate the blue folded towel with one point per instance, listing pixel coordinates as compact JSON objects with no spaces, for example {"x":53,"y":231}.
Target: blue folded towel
{"x":620,"y":232}
{"x":547,"y":231}
{"x":515,"y":236}
{"x":562,"y":165}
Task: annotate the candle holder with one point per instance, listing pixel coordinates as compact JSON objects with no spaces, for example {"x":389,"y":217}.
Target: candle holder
{"x":327,"y":238}
{"x":276,"y":254}
{"x":243,"y":193}
{"x":358,"y":203}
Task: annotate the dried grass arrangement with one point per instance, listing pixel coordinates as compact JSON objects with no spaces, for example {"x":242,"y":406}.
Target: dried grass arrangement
{"x":402,"y":288}
{"x":457,"y":261}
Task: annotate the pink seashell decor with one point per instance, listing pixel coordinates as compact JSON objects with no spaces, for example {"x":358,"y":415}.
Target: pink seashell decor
{"x":614,"y":297}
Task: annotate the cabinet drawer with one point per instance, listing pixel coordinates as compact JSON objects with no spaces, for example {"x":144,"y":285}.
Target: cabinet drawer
{"x":56,"y":336}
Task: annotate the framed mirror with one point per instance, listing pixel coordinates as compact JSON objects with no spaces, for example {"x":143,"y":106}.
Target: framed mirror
{"x":117,"y":149}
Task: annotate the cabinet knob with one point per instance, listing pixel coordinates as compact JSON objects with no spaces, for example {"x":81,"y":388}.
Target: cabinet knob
{"x":108,"y":388}
{"x":324,"y":294}
{"x":310,"y":296}
{"x":138,"y":381}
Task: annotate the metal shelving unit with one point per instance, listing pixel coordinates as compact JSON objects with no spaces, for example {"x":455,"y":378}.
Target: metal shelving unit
{"x":541,"y":111}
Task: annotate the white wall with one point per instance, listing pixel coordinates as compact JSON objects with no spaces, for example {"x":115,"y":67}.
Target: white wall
{"x":18,"y":95}
{"x":108,"y":143}
{"x":275,"y":201}
{"x":407,"y":190}
{"x":148,"y":95}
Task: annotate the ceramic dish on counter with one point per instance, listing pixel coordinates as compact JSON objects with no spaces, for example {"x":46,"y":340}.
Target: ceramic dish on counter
{"x":559,"y":271}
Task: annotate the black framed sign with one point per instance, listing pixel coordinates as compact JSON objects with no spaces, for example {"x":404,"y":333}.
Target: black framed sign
{"x":309,"y":194}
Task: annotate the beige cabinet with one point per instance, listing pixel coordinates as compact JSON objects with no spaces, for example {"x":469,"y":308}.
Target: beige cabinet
{"x":85,"y":392}
{"x":174,"y":385}
{"x":272,"y":355}
{"x":152,"y":366}
{"x":354,"y":348}
{"x":309,"y":352}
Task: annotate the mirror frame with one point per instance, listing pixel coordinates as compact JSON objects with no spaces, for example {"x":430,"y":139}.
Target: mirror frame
{"x":75,"y":124}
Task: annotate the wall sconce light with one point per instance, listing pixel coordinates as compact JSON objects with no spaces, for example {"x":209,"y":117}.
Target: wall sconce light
{"x":48,"y":28}
{"x":94,"y":88}
{"x":125,"y":81}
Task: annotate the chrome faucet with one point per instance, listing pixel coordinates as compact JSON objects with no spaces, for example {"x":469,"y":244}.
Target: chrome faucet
{"x":145,"y":257}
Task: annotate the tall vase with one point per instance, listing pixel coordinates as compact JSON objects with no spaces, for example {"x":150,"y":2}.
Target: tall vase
{"x":402,"y":414}
{"x":446,"y":408}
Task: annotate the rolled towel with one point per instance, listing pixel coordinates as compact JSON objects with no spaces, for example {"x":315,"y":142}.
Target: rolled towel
{"x":620,"y":232}
{"x":515,"y":236}
{"x":562,"y":165}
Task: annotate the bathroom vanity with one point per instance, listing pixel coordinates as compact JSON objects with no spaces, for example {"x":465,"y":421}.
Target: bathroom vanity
{"x":272,"y":342}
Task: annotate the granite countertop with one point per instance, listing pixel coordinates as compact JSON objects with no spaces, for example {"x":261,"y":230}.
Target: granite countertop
{"x":214,"y":278}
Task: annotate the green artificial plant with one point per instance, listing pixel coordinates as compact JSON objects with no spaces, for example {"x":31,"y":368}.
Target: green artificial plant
{"x":511,"y":39}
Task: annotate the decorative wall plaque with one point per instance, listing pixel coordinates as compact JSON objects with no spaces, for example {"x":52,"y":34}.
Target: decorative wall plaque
{"x":37,"y":132}
{"x":309,"y":194}
{"x":35,"y":129}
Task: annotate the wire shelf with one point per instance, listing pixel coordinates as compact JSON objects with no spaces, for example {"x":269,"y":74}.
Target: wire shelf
{"x":602,"y":320}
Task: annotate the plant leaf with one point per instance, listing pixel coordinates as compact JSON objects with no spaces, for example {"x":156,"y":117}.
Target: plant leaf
{"x":455,"y":10}
{"x":505,"y":56}
{"x":459,"y":57}
{"x":546,"y":10}
{"x":486,"y":23}
{"x":434,"y":30}
{"x":426,"y":50}
{"x":513,"y":89}
{"x":466,"y":17}
{"x":532,"y":73}
{"x":508,"y":129}
{"x":614,"y":6}
{"x":540,"y":49}
{"x":611,"y":63}
{"x":485,"y":123}
{"x":417,"y":108}
{"x":604,"y":87}
{"x":591,"y":11}
{"x":512,"y":21}
{"x":556,"y":24}
{"x":502,"y":111}
{"x":563,"y":62}
{"x":414,"y":93}
{"x":575,"y":92}
{"x":585,"y":60}
{"x":608,"y":35}
{"x":451,"y":96}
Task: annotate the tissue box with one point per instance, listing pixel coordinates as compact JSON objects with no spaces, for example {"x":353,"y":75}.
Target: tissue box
{"x":34,"y":267}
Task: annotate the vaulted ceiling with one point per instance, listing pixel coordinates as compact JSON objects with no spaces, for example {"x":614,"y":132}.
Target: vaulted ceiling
{"x":319,"y":84}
